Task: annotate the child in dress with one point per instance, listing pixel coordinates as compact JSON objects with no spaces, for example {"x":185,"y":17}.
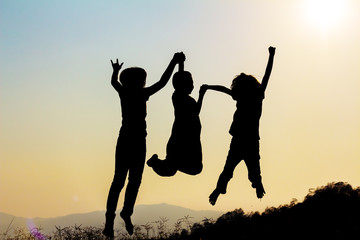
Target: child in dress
{"x":183,"y":151}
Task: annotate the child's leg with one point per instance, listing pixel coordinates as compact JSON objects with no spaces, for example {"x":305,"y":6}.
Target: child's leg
{"x":223,"y":180}
{"x":163,"y":168}
{"x":254,"y":175}
{"x":115,"y":189}
{"x":113,"y":197}
{"x":252,"y":162}
{"x":232,"y":161}
{"x":132,"y":188}
{"x":193,"y":169}
{"x":117,"y":184}
{"x":166,"y":167}
{"x":226,"y":174}
{"x":135,"y":175}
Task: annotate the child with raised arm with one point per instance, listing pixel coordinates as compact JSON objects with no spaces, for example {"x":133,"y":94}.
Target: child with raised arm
{"x":131,"y":144}
{"x":183,"y":151}
{"x":248,"y":94}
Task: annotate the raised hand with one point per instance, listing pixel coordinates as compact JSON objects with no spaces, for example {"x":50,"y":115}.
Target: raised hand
{"x":116,"y":66}
{"x":272,"y":50}
{"x":179,"y":57}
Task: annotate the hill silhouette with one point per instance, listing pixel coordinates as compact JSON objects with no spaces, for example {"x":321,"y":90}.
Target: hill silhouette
{"x":329,"y":212}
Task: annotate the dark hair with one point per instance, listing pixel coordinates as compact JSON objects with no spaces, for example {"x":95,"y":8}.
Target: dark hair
{"x":133,"y":76}
{"x":244,"y":82}
{"x":182,"y":80}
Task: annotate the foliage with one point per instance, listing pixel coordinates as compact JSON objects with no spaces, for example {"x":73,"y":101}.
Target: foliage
{"x":330,"y":212}
{"x":23,"y":234}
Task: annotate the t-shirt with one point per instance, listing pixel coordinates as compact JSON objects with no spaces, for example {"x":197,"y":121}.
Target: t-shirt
{"x":133,"y":109}
{"x":247,"y":115}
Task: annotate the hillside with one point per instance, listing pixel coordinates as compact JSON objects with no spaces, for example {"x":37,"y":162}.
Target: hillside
{"x":330,"y":212}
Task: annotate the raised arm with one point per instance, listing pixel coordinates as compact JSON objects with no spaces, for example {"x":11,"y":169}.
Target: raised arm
{"x":266,"y":77}
{"x":178,"y":57}
{"x":114,"y":78}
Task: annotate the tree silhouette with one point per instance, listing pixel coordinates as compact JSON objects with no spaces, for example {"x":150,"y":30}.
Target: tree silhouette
{"x":330,"y":212}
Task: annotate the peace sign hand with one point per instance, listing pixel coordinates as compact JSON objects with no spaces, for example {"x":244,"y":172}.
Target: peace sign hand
{"x":116,"y":66}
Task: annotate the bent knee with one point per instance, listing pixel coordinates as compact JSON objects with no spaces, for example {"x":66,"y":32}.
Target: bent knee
{"x":192,"y":170}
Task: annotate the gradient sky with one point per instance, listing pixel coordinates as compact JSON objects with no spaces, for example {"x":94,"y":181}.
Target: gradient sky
{"x":60,"y":117}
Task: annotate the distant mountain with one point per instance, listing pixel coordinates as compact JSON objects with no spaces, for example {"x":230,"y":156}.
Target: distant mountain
{"x":328,"y":212}
{"x":142,"y":214}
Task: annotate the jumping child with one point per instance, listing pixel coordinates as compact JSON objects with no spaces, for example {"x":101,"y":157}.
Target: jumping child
{"x":183,"y":151}
{"x":131,"y":144}
{"x":248,"y":94}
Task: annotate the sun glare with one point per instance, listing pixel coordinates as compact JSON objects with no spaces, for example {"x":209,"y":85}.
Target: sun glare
{"x":325,"y":14}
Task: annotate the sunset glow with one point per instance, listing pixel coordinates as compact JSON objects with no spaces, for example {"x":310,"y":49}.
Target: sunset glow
{"x":325,"y":14}
{"x":60,"y":116}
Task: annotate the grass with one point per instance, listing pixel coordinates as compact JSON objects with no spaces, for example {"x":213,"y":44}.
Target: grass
{"x":328,"y":212}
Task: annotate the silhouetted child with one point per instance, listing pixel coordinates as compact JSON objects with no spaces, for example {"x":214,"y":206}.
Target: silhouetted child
{"x":131,"y":144}
{"x":249,"y":94}
{"x":183,"y":151}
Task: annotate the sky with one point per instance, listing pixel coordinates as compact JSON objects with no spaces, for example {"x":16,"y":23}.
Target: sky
{"x":60,"y":117}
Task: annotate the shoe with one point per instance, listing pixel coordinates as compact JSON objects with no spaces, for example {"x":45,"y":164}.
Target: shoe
{"x":128,"y":224}
{"x":108,"y":232}
{"x":214,"y":196}
{"x":260,"y":191}
{"x":109,"y":226}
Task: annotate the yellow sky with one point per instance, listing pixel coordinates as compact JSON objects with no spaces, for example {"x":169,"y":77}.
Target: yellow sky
{"x":60,"y":116}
